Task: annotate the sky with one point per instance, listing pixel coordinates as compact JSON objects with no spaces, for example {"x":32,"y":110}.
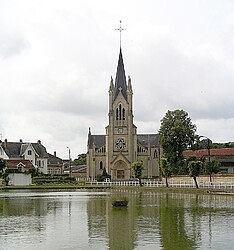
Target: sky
{"x":57,"y":58}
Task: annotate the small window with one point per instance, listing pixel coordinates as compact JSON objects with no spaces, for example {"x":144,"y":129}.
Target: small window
{"x":29,"y":152}
{"x":155,"y":154}
{"x":120,"y":112}
{"x":117,"y":114}
{"x":101,"y":165}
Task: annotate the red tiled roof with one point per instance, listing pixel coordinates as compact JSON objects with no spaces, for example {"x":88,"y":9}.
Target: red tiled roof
{"x":213,"y":152}
{"x":13,"y":163}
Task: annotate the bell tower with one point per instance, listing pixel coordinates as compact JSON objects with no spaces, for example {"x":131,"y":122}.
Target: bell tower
{"x":121,"y":139}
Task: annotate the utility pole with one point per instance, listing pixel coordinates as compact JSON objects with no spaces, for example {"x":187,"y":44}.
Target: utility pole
{"x":69,"y":156}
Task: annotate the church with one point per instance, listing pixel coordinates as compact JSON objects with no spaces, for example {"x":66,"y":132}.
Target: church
{"x":121,"y":145}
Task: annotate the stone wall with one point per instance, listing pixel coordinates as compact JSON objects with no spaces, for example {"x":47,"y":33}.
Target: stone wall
{"x":203,"y":178}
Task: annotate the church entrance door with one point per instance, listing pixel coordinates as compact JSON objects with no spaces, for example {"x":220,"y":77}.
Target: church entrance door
{"x":120,"y":174}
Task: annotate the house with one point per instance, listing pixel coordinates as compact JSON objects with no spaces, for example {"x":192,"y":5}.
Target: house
{"x":34,"y":152}
{"x":224,"y":155}
{"x":80,"y":171}
{"x":55,"y":164}
{"x":21,"y":165}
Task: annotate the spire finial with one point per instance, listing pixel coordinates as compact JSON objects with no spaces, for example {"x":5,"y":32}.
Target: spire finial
{"x":120,"y":29}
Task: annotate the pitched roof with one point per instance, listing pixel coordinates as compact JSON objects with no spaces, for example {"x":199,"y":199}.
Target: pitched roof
{"x":54,"y":159}
{"x":143,"y":139}
{"x":213,"y":152}
{"x":120,"y":79}
{"x":148,"y":139}
{"x":97,"y":140}
{"x":16,"y":149}
{"x":14,"y":163}
{"x":12,"y":149}
{"x":40,"y":149}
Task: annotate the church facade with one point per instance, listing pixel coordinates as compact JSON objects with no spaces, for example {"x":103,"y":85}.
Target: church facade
{"x":121,"y":145}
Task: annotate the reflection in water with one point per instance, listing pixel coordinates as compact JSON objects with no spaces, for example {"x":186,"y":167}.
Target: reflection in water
{"x":172,"y":223}
{"x":86,"y":220}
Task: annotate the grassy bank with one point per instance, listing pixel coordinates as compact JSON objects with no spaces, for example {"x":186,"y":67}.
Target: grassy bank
{"x":53,"y":186}
{"x":61,"y":187}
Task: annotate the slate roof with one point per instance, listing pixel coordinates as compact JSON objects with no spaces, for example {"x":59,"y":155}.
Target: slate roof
{"x":120,"y":79}
{"x":97,"y":140}
{"x":40,"y":149}
{"x":146,"y":139}
{"x":12,"y":149}
{"x":16,"y":149}
{"x":54,"y":160}
{"x":143,"y":139}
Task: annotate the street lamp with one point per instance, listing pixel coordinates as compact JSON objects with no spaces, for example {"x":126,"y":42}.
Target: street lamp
{"x":69,"y":156}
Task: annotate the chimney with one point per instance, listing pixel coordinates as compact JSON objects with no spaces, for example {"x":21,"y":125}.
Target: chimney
{"x":5,"y":143}
{"x":39,"y":142}
{"x":55,"y":153}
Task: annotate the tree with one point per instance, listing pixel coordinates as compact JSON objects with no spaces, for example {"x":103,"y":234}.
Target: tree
{"x":137,"y":169}
{"x":2,"y":164}
{"x":103,"y":176}
{"x":81,"y":160}
{"x":195,"y":168}
{"x":211,"y":166}
{"x":177,"y":133}
{"x":165,"y":168}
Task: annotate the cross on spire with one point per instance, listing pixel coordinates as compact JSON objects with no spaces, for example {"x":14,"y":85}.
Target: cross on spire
{"x":120,"y":29}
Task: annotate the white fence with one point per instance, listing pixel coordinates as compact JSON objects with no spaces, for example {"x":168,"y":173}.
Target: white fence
{"x":180,"y":184}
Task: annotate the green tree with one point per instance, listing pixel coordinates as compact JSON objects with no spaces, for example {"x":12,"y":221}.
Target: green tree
{"x":137,"y":169}
{"x":195,"y":169}
{"x":81,"y":160}
{"x":165,"y":168}
{"x":2,"y":164}
{"x":103,"y":176}
{"x":211,"y":166}
{"x":177,"y":133}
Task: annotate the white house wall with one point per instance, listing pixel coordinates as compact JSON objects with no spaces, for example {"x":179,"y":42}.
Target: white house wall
{"x":3,"y":155}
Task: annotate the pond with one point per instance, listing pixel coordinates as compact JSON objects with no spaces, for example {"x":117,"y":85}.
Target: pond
{"x":87,"y":220}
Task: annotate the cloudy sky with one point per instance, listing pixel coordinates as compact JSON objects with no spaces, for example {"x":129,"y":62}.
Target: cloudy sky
{"x":57,"y":58}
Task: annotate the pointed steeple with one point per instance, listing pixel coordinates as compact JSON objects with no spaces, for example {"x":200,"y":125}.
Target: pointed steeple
{"x":120,"y":80}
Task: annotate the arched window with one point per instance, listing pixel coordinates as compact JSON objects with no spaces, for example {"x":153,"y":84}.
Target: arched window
{"x":117,"y":114}
{"x":120,"y":111}
{"x":123,"y":114}
{"x":155,"y":153}
{"x":101,"y":165}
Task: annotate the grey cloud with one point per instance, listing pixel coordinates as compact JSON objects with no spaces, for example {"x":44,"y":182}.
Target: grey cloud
{"x":12,"y":44}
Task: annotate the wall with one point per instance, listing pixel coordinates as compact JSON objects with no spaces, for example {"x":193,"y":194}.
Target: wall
{"x":205,"y":178}
{"x":18,"y":179}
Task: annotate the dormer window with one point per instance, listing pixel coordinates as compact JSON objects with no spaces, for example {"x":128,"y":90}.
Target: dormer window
{"x":29,"y":152}
{"x":20,"y":167}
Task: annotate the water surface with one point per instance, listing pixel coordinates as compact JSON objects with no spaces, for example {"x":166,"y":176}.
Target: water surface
{"x":86,"y":220}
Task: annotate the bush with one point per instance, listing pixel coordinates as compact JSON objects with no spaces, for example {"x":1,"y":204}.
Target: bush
{"x":122,"y":202}
{"x":54,"y":179}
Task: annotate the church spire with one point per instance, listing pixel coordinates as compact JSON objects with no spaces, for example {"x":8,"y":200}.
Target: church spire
{"x":120,"y":80}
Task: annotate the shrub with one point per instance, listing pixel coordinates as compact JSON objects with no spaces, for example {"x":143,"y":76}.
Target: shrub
{"x":122,"y":202}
